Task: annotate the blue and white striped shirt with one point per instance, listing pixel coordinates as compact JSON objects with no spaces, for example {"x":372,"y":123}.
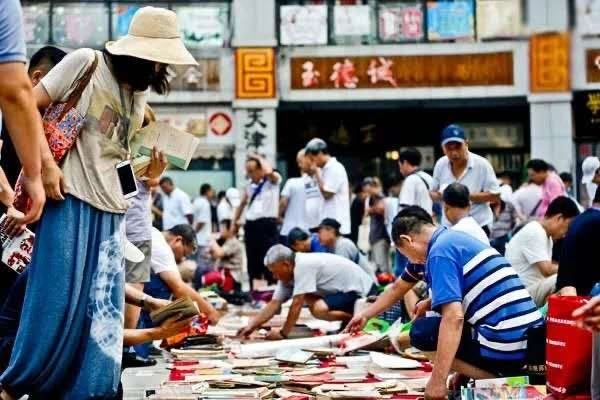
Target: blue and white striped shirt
{"x":495,"y":303}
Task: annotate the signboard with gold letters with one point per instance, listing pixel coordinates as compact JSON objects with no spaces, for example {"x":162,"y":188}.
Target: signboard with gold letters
{"x":586,"y":113}
{"x":384,"y":72}
{"x":549,"y":62}
{"x":592,"y":65}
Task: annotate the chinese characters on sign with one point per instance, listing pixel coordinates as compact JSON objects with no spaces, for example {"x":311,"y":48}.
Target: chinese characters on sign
{"x":400,"y":22}
{"x":450,"y":20}
{"x":380,"y":72}
{"x":549,"y":62}
{"x":254,"y":131}
{"x":586,"y":113}
{"x":592,"y":65}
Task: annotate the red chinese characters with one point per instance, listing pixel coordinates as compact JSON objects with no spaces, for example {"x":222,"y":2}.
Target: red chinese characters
{"x":344,"y":75}
{"x":382,"y":72}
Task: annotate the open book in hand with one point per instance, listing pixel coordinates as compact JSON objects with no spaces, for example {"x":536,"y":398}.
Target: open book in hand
{"x":16,"y":250}
{"x":184,"y":306}
{"x":178,"y":146}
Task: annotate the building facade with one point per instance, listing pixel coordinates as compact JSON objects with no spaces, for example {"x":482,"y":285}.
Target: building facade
{"x":369,"y":76}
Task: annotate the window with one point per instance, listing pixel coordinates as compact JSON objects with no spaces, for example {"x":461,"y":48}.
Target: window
{"x":201,"y":77}
{"x":78,"y":25}
{"x":36,"y":23}
{"x":204,"y":25}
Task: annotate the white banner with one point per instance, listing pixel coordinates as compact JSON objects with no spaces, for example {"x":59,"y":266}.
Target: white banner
{"x":352,"y":20}
{"x":303,"y":25}
{"x":498,"y":18}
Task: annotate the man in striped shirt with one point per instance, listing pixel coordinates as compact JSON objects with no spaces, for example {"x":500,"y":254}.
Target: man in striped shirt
{"x":485,"y":309}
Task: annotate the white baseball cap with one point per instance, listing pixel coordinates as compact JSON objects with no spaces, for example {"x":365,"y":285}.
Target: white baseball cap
{"x":589,"y":167}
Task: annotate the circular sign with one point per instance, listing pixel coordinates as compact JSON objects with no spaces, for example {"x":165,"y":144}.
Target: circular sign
{"x":220,"y":123}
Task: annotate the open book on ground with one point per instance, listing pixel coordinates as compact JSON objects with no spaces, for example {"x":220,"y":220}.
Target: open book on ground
{"x":184,"y":306}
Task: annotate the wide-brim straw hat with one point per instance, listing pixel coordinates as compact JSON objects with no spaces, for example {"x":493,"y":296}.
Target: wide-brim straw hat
{"x":153,"y":35}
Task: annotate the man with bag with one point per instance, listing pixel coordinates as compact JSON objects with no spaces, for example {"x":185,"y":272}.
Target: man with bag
{"x":261,"y":202}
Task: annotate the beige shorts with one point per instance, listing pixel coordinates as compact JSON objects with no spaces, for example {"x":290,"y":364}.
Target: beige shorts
{"x":139,"y":272}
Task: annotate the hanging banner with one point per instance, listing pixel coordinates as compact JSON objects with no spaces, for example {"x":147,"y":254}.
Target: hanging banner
{"x":447,"y":21}
{"x":587,"y":17}
{"x":400,"y":22}
{"x":499,"y":18}
{"x":352,"y":20}
{"x":202,"y":26}
{"x":381,"y":72}
{"x":303,"y":25}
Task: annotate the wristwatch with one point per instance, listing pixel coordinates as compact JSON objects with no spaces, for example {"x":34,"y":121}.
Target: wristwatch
{"x":143,"y":300}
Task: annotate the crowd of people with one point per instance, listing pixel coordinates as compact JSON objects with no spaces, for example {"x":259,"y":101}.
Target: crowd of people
{"x":470,"y":262}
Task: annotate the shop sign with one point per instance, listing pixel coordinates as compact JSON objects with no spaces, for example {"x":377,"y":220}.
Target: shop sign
{"x":493,"y":135}
{"x":549,"y":62}
{"x":498,"y":18}
{"x":592,"y":68}
{"x":202,"y":26}
{"x":383,"y":72}
{"x":586,"y":111}
{"x":587,"y":14}
{"x":450,"y":20}
{"x":400,"y":22}
{"x":352,"y":20}
{"x":220,"y":126}
{"x":193,"y":78}
{"x":303,"y":25}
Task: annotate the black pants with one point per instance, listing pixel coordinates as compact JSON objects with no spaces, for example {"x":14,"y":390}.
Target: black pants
{"x":259,"y":236}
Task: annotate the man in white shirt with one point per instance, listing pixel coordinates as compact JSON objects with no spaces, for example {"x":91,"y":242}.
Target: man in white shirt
{"x":292,"y":203}
{"x":203,"y":224}
{"x":456,"y":209}
{"x":591,"y":177}
{"x":527,"y":200}
{"x":177,"y":207}
{"x":473,"y":171}
{"x":417,"y":183}
{"x":530,"y":249}
{"x":332,"y":180}
{"x":261,"y":202}
{"x":328,"y":283}
{"x":228,"y":204}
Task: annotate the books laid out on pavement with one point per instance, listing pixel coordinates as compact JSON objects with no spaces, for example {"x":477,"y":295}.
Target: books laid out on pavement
{"x":293,"y":356}
{"x":184,"y":306}
{"x":16,"y":250}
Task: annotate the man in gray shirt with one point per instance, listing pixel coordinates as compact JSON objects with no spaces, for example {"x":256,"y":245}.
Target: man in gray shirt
{"x":331,"y":239}
{"x":473,"y":171}
{"x":328,"y":284}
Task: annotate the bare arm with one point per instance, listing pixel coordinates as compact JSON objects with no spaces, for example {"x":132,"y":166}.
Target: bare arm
{"x":216,"y":250}
{"x":25,"y":128}
{"x":283,"y":204}
{"x":168,"y":328}
{"x":293,"y":315}
{"x":265,"y":314}
{"x":436,"y":196}
{"x":317,"y":174}
{"x":450,"y":333}
{"x":181,"y":289}
{"x":240,"y":209}
{"x":547,"y":267}
{"x":484,"y":197}
{"x":568,"y":291}
{"x":190,"y":218}
{"x":199,"y":226}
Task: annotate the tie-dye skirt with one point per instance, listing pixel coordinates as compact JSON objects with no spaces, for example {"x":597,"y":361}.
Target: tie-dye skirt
{"x":70,"y":337}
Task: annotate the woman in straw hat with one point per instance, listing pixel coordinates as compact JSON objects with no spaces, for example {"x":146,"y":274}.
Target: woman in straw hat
{"x":69,"y":342}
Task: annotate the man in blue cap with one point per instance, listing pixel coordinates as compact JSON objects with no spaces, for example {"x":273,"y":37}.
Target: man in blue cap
{"x":473,"y":171}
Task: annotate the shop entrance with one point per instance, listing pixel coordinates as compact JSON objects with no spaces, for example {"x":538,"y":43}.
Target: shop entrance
{"x":366,"y":136}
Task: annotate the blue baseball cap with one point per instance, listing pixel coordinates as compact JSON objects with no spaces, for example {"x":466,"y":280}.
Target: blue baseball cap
{"x":453,"y":133}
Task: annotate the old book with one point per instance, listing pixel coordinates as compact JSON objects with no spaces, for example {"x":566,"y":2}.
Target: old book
{"x":184,"y":306}
{"x":16,"y":250}
{"x":293,"y":356}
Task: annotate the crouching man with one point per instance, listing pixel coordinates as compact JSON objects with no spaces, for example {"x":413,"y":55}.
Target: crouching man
{"x":327,"y":283}
{"x":485,"y":310}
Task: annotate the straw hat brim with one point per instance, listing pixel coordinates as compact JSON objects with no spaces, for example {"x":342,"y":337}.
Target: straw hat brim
{"x":161,"y":50}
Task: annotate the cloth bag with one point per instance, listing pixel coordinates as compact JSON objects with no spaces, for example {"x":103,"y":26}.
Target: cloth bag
{"x":568,"y":348}
{"x":62,"y":124}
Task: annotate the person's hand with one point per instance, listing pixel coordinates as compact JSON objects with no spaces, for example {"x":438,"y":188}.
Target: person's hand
{"x":436,"y":391}
{"x":7,"y":195}
{"x":245,"y":331}
{"x":173,"y":326}
{"x":214,"y":317}
{"x":421,"y":308}
{"x":13,"y":225}
{"x":313,"y":169}
{"x":53,"y":180}
{"x":588,"y":315}
{"x":356,"y":324}
{"x":152,"y":304}
{"x":35,"y":190}
{"x":274,"y":334}
{"x":158,"y":164}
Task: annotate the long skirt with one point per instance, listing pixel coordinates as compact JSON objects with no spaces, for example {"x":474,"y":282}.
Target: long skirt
{"x":70,"y":336}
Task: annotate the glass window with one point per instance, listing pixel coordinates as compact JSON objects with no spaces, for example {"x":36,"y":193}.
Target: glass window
{"x":401,"y":21}
{"x":36,"y":23}
{"x":204,"y":25}
{"x":191,"y":78}
{"x":80,"y":24}
{"x":450,"y":20}
{"x":303,"y":24}
{"x":354,"y":24}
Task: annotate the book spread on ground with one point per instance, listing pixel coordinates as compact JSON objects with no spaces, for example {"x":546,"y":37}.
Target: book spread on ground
{"x":179,"y":147}
{"x":16,"y":250}
{"x":184,"y":306}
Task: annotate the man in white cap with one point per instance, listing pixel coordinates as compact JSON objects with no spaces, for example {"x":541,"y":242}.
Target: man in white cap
{"x":332,"y":179}
{"x":328,"y":283}
{"x":591,"y":176}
